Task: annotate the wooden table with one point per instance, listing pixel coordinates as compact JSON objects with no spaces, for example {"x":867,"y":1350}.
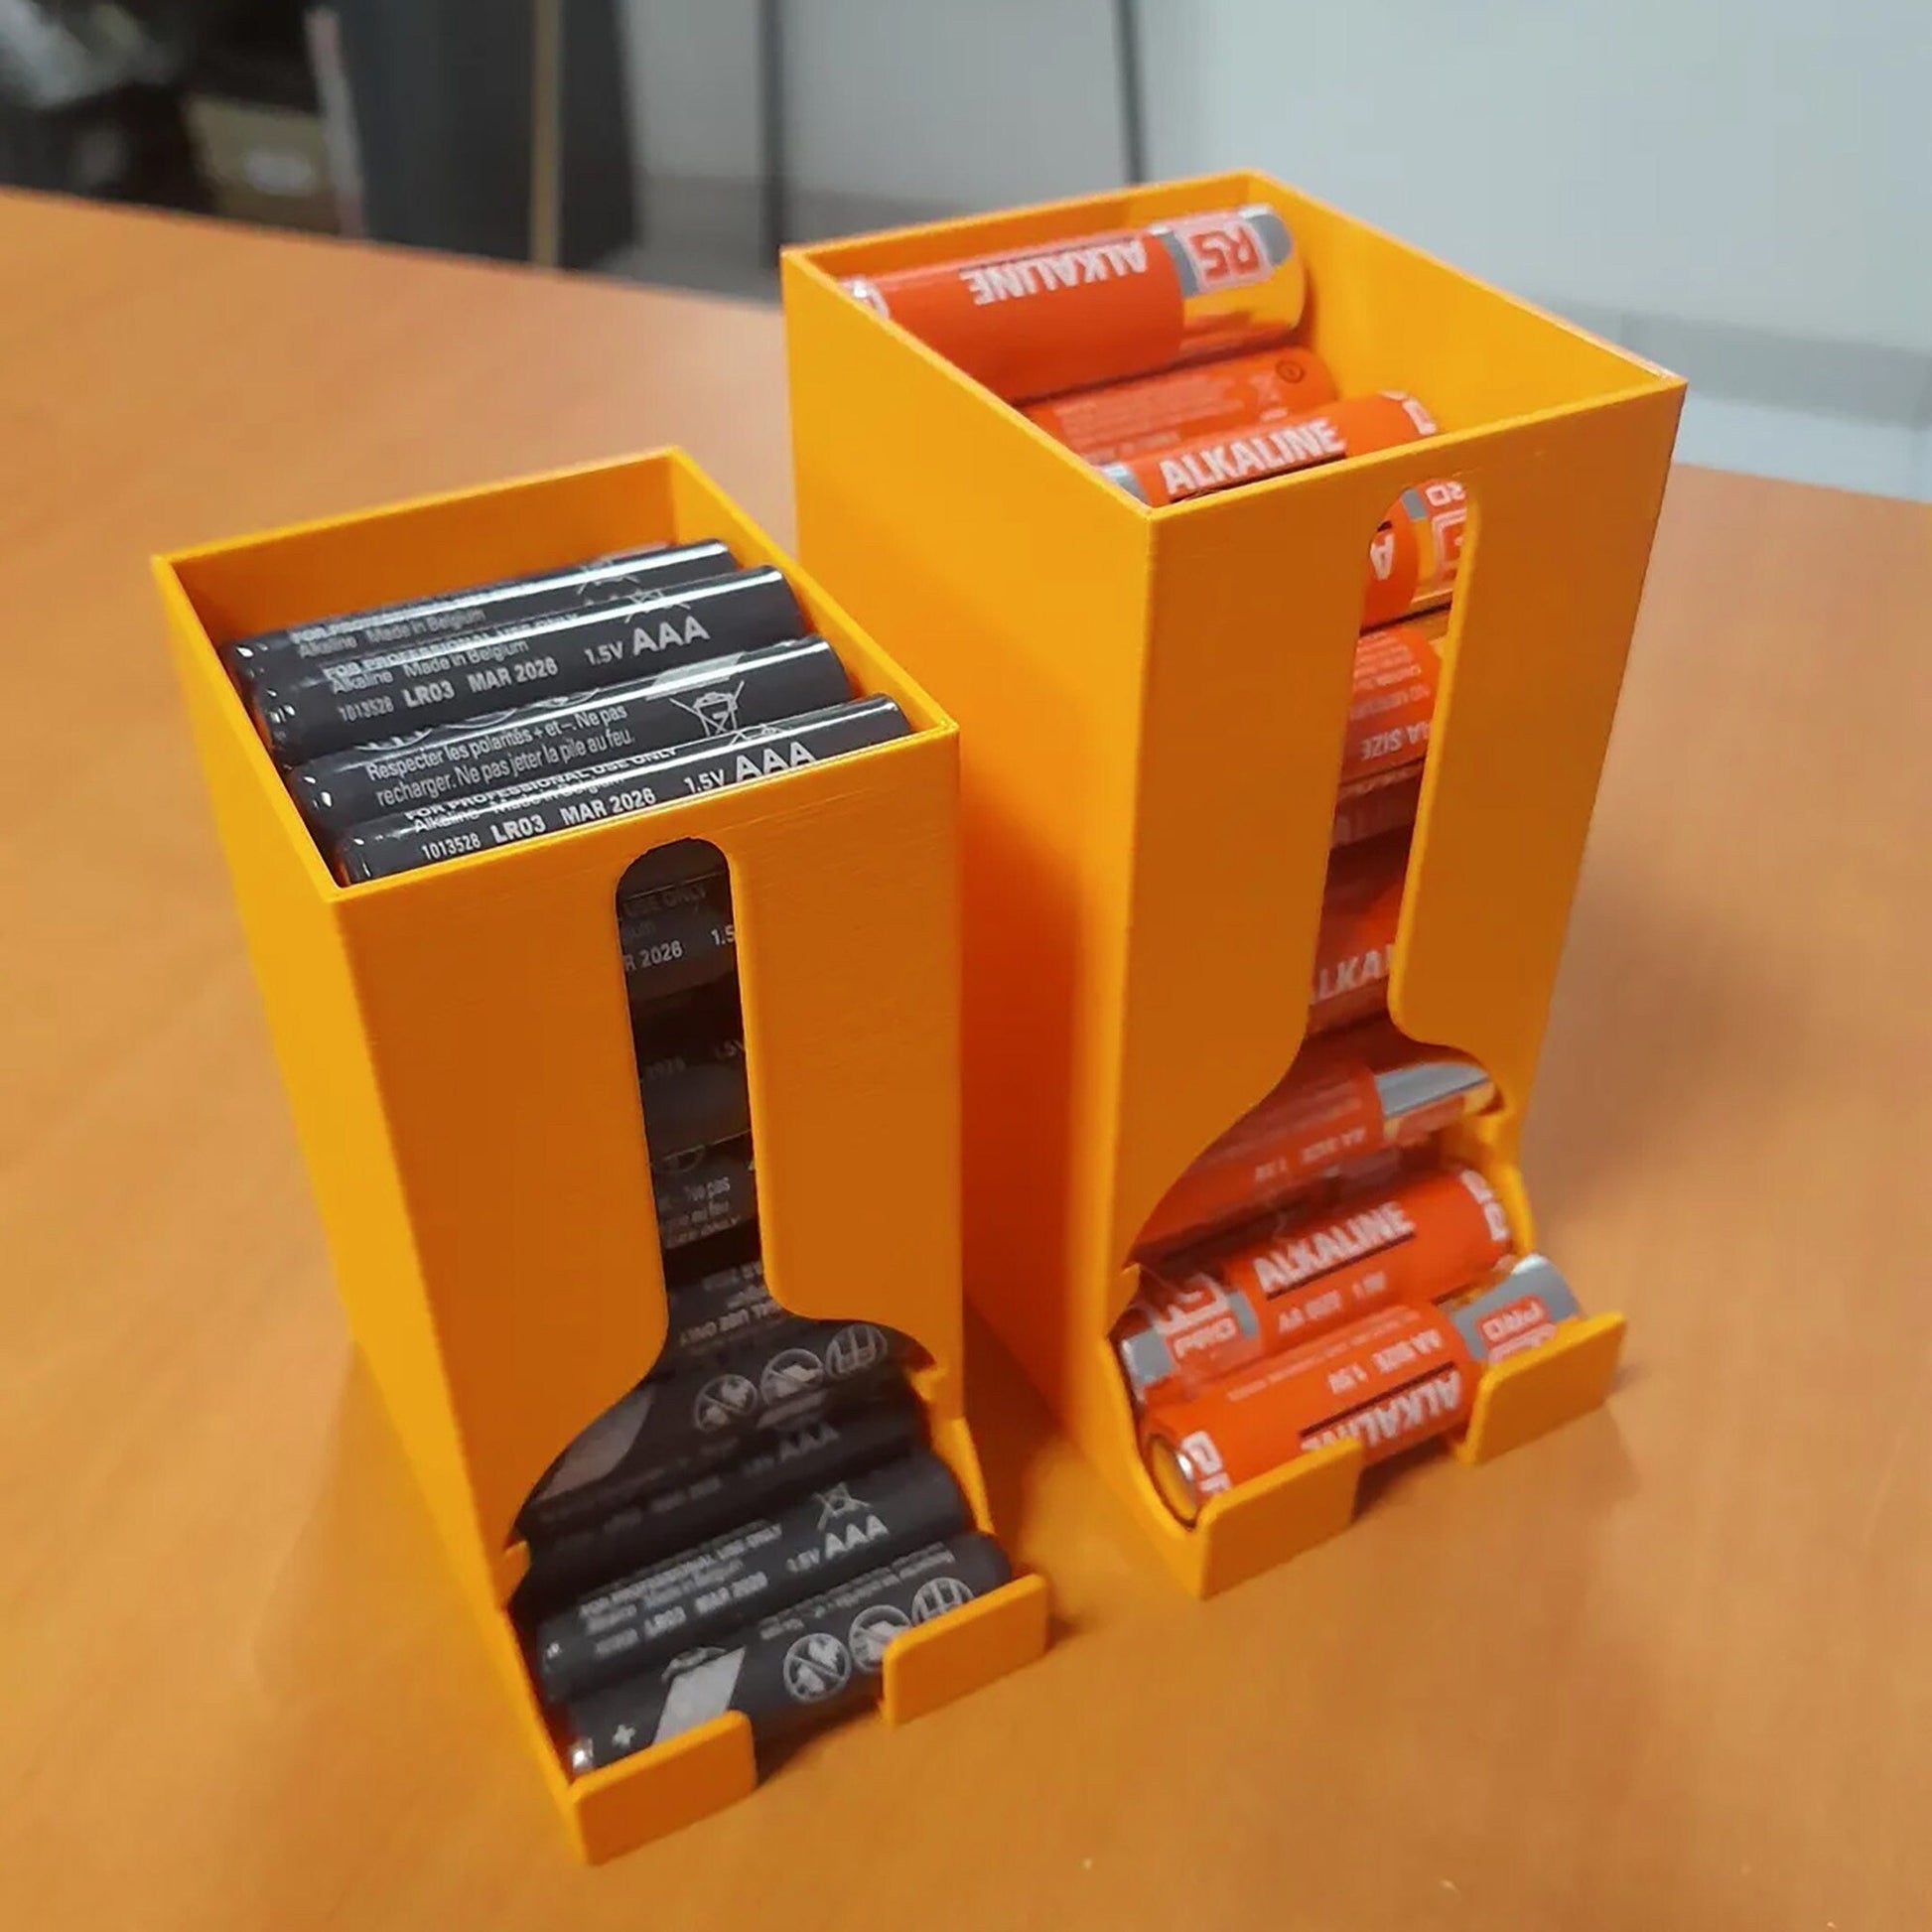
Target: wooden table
{"x":1670,"y":1668}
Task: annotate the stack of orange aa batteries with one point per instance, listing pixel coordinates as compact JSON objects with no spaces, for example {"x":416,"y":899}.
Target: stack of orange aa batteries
{"x":1163,"y":353}
{"x":1323,"y":1271}
{"x":1165,"y":356}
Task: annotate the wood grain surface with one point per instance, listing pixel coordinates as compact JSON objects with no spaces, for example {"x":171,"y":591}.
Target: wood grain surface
{"x":1670,"y":1668}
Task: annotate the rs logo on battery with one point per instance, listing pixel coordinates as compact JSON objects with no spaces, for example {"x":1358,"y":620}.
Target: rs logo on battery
{"x":1494,"y":1215}
{"x":1204,"y":1459}
{"x":1225,"y":254}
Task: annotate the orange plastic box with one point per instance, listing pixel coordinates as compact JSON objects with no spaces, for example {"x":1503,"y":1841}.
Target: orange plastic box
{"x":1152,"y":705}
{"x":458,"y":1053}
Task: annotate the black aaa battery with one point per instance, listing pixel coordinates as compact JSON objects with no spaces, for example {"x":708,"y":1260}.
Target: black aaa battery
{"x":749,"y":1571}
{"x":326,"y":706}
{"x":703,"y":1192}
{"x":564,"y":736}
{"x":684,"y":862}
{"x":770,"y":1473}
{"x":794,"y":1669}
{"x":509,"y":599}
{"x":670,"y":1430}
{"x":725,"y":1309}
{"x":424,"y":836}
{"x":677,"y":937}
{"x":694,"y":1099}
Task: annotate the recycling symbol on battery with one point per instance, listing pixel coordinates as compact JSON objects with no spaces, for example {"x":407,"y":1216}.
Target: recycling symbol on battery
{"x":725,"y":1400}
{"x":856,"y":1347}
{"x":587,"y":591}
{"x":790,"y":1372}
{"x":816,"y":1667}
{"x":935,"y":1599}
{"x":873,"y":1630}
{"x":837,"y":1502}
{"x":716,"y":710}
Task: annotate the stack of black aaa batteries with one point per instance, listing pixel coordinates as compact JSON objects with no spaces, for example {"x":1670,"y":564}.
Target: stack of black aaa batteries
{"x":428,"y":731}
{"x":751,"y":1526}
{"x":746,"y":1531}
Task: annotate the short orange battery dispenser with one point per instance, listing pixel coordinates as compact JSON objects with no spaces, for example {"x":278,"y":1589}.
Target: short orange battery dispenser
{"x":456,"y":1049}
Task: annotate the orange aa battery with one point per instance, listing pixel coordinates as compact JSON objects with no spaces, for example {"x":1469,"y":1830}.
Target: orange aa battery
{"x":1395,"y":1379}
{"x":1519,"y":1307}
{"x":1355,"y":940}
{"x":1424,"y":1237}
{"x":1351,"y":427}
{"x":1438,"y":513}
{"x":1122,"y":420}
{"x":1371,"y":806}
{"x":1394,"y":570}
{"x":1341,"y":1101}
{"x":1072,"y":314}
{"x":1414,"y":554}
{"x":1398,"y":672}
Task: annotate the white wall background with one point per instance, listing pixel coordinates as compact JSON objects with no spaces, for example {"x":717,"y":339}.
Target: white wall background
{"x":1758,"y":161}
{"x":945,"y":103}
{"x":1765,"y":163}
{"x":694,"y":87}
{"x":968,"y":103}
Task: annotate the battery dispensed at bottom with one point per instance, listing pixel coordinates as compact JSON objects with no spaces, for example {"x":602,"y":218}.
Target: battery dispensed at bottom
{"x":799,"y":1667}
